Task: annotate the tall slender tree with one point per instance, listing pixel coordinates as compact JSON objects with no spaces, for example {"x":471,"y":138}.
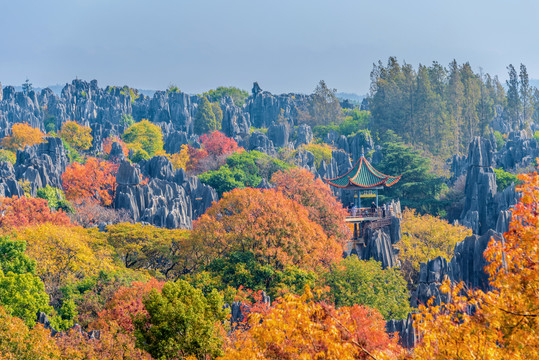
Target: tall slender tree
{"x":512,"y":109}
{"x":526,"y":94}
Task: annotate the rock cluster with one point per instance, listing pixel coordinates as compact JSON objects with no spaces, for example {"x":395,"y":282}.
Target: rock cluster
{"x":167,"y":199}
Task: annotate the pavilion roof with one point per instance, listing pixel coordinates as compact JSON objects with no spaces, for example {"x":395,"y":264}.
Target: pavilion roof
{"x":363,"y":175}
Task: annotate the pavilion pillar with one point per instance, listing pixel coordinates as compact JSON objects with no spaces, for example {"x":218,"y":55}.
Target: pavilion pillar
{"x":376,"y":197}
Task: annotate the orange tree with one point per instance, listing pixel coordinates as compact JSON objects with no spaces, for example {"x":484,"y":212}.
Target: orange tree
{"x":324,"y":209}
{"x":275,"y":229}
{"x":20,"y":212}
{"x":22,"y":135}
{"x":505,"y":320}
{"x":19,"y":342}
{"x":296,"y":327}
{"x":77,"y":136}
{"x":94,"y":180}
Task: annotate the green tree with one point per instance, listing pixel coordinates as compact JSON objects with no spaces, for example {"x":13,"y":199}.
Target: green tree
{"x":181,"y":322}
{"x":226,"y":179}
{"x":22,"y":293}
{"x":56,"y":198}
{"x":9,"y":156}
{"x":27,"y":87}
{"x":418,"y":186}
{"x":526,"y":94}
{"x":218,"y":114}
{"x":205,"y":121}
{"x":144,"y":136}
{"x":504,"y":179}
{"x":355,"y":281}
{"x":12,"y":257}
{"x":243,"y":269}
{"x":127,"y":120}
{"x":325,"y":107}
{"x":238,"y":95}
{"x":513,"y":97}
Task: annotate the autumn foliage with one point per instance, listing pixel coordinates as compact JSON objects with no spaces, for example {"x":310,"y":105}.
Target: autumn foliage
{"x":324,"y":209}
{"x":77,"y":136}
{"x":505,"y":321}
{"x":94,"y":180}
{"x":20,"y":212}
{"x":217,"y":144}
{"x":425,"y":237}
{"x":274,"y":228}
{"x":22,"y":134}
{"x":107,"y":145}
{"x":296,"y":327}
{"x":127,"y":301}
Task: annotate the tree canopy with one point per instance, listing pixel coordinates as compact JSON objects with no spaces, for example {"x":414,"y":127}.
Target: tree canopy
{"x":144,"y":136}
{"x":22,"y":134}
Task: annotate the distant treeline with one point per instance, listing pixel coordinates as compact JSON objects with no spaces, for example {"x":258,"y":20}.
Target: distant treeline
{"x":442,"y":109}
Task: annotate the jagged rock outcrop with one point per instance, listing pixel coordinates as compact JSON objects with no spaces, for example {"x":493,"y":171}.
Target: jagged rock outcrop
{"x":502,"y":224}
{"x":235,"y":121}
{"x":116,"y":154}
{"x":9,"y":186}
{"x":43,"y":319}
{"x":159,"y":202}
{"x":378,"y":246}
{"x":260,"y":142}
{"x":480,"y":211}
{"x":306,"y":160}
{"x":174,"y":141}
{"x":265,"y":108}
{"x":459,"y":166}
{"x":264,"y":184}
{"x":279,"y":133}
{"x":42,"y":164}
{"x":405,"y":329}
{"x":202,"y":196}
{"x":360,"y":144}
{"x":518,"y":151}
{"x":304,"y":135}
{"x":467,"y":265}
{"x":169,"y":199}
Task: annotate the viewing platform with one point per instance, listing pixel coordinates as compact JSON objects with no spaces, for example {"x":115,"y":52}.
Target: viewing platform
{"x":367,"y":214}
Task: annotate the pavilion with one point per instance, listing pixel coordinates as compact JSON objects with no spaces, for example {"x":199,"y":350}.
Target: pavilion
{"x":365,"y":181}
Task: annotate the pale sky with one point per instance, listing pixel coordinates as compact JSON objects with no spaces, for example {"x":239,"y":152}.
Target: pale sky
{"x":287,"y":46}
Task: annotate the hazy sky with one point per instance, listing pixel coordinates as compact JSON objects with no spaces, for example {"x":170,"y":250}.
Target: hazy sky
{"x":287,"y":46}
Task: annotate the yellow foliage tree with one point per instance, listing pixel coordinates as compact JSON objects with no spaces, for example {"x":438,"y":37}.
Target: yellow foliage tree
{"x":180,"y":160}
{"x":504,"y":323}
{"x":425,"y":237}
{"x":297,"y":327}
{"x":65,"y":254}
{"x":18,"y":342}
{"x":151,"y":248}
{"x":22,"y":134}
{"x":78,"y":136}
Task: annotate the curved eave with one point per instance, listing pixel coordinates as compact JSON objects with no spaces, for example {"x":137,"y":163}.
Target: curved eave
{"x":385,"y":180}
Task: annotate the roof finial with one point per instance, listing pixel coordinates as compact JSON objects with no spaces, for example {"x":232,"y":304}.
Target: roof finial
{"x":362,"y":152}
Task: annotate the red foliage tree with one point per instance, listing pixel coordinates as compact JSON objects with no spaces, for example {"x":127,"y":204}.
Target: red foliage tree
{"x":274,"y":228}
{"x":324,"y":209}
{"x":94,"y":180}
{"x":20,"y":212}
{"x":125,"y":303}
{"x":217,"y":144}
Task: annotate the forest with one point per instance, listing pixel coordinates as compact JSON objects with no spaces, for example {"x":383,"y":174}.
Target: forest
{"x":201,"y":226}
